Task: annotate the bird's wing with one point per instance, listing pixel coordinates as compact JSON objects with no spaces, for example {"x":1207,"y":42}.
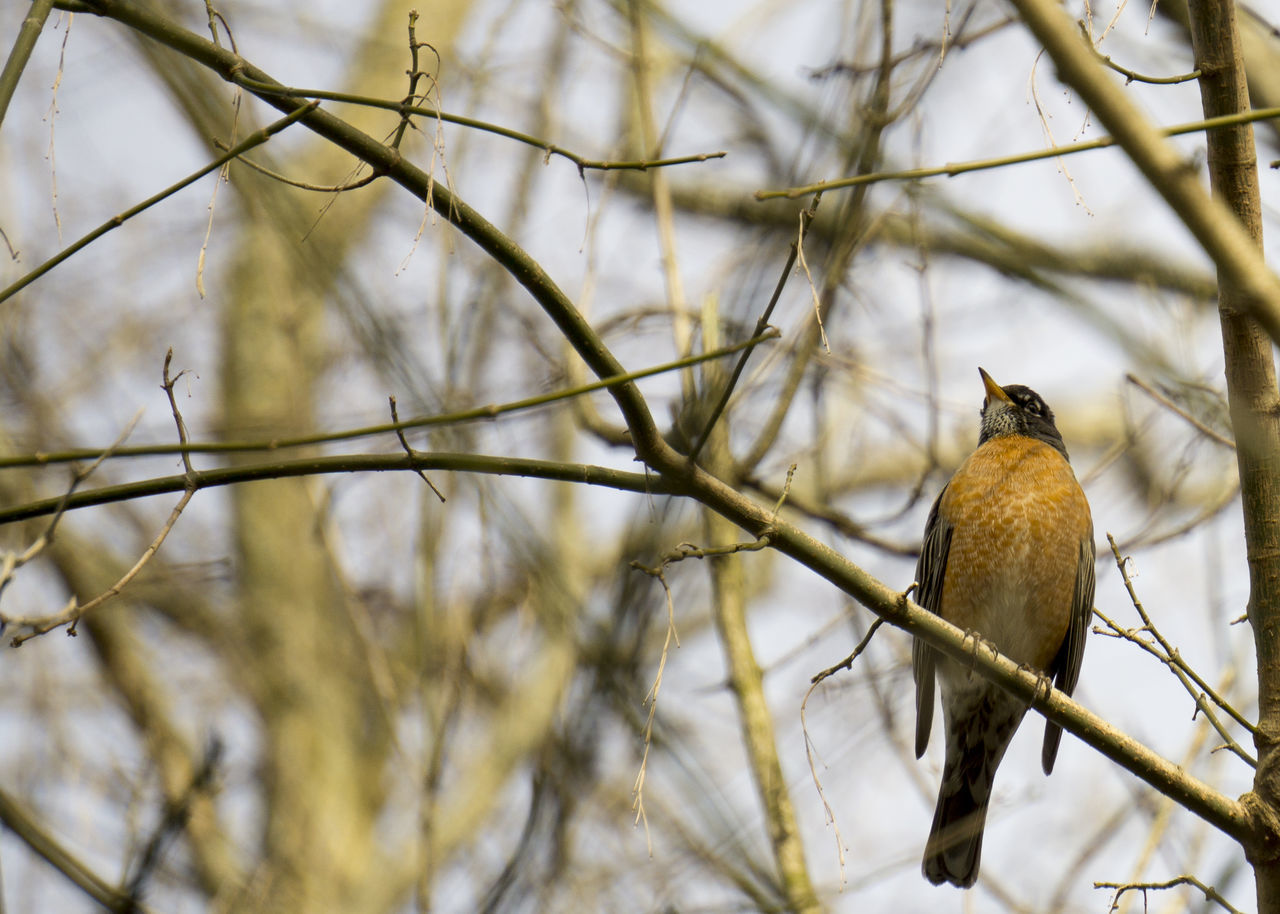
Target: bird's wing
{"x":1066,"y":666}
{"x":930,"y":571}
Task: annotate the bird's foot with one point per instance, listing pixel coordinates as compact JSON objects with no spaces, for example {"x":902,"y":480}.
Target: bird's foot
{"x":1044,"y":682}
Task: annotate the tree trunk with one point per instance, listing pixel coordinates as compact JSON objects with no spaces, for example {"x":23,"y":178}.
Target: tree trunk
{"x":1255,"y":407}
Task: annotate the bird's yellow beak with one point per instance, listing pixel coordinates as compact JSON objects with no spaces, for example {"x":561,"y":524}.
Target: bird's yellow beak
{"x":994,"y":390}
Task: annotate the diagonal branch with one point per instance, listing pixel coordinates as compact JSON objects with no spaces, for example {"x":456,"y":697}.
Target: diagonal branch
{"x":33,"y":835}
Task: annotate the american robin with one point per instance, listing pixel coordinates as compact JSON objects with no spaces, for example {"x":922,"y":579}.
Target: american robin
{"x":1008,"y":555}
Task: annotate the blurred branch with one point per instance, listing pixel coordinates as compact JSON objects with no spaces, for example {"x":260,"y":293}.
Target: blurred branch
{"x":641,"y":64}
{"x":34,"y":836}
{"x":146,"y":697}
{"x":177,"y":813}
{"x":1179,"y":411}
{"x":746,"y":682}
{"x":57,"y":508}
{"x":23,"y":45}
{"x":521,"y":722}
{"x":977,"y":238}
{"x":722,"y":69}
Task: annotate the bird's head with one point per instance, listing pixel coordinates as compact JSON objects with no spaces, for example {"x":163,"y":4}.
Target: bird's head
{"x":1017,"y":410}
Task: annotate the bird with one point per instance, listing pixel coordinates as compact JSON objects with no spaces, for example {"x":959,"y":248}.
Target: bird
{"x":1008,"y":555}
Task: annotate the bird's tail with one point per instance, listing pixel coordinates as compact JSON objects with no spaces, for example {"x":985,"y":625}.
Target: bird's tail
{"x":977,"y":737}
{"x":953,"y":852}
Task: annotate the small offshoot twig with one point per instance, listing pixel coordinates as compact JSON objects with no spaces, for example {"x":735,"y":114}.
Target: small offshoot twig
{"x":1131,"y":76}
{"x":396,"y":137}
{"x":845,"y":664}
{"x":1210,"y":893}
{"x":415,"y":73}
{"x":413,"y":455}
{"x":813,"y":289}
{"x":261,"y":169}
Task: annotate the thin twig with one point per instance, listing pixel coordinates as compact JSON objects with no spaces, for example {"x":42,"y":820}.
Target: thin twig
{"x":955,"y":168}
{"x":71,"y":614}
{"x":550,"y":149}
{"x":846,"y":663}
{"x":1200,"y":691}
{"x":786,"y":491}
{"x":257,"y":138}
{"x":1210,"y":893}
{"x":651,"y":699}
{"x":11,"y":562}
{"x":690,"y":551}
{"x":415,"y":74}
{"x":762,"y":325}
{"x":1131,"y":76}
{"x":584,"y":473}
{"x":404,"y":442}
{"x":810,"y":750}
{"x":491,"y":411}
{"x":224,"y":174}
{"x":813,"y":289}
{"x":167,"y":387}
{"x":303,"y":185}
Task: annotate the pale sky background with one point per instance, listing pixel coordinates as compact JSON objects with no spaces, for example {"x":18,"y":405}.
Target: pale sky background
{"x":117,"y":140}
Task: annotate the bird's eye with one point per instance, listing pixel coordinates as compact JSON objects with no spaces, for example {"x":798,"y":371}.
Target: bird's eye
{"x":1033,"y":406}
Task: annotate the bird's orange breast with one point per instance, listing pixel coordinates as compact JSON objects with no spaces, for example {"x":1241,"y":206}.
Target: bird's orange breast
{"x":1018,"y":516}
